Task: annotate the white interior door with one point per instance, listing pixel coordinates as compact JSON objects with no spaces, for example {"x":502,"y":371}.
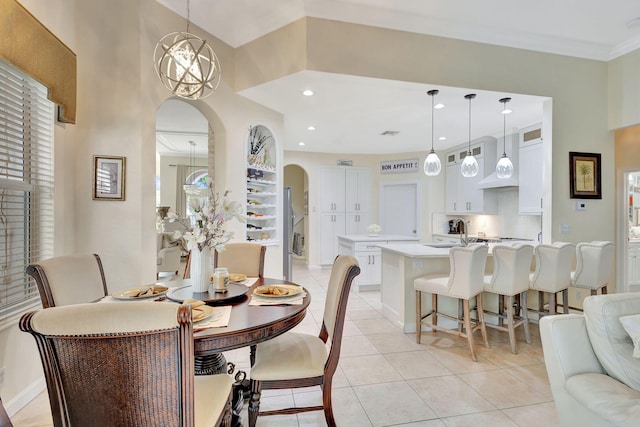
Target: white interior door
{"x":399,"y":208}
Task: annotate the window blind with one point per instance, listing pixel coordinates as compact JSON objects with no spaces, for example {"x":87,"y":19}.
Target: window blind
{"x":26,"y":186}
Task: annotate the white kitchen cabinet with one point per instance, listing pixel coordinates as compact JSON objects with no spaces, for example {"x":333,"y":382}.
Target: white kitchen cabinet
{"x":357,"y":223}
{"x":463,"y":197}
{"x":633,"y":264}
{"x":357,"y":190}
{"x":332,"y":189}
{"x":331,"y":226}
{"x":345,"y":195}
{"x":365,"y":249}
{"x":530,"y":171}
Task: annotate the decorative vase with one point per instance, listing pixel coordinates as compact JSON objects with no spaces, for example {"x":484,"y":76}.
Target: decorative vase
{"x":200,"y":265}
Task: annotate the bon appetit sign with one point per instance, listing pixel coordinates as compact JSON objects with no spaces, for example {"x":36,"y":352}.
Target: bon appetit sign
{"x":399,"y":166}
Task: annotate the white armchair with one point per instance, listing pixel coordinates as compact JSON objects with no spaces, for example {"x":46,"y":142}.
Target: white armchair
{"x":594,"y":378}
{"x":168,"y":257}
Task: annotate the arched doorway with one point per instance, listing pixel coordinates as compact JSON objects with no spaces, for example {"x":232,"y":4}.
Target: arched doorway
{"x":296,"y":178}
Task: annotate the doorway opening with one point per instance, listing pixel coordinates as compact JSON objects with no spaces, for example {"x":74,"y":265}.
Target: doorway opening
{"x":631,"y":260}
{"x":296,"y":178}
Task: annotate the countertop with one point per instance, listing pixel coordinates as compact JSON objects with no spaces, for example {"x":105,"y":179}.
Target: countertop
{"x":422,"y":250}
{"x":379,"y":238}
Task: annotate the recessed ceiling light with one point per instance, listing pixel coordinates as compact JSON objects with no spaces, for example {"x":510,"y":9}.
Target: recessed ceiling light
{"x":442,"y":138}
{"x":438,"y":106}
{"x":311,"y":128}
{"x":307,"y":92}
{"x":301,"y":143}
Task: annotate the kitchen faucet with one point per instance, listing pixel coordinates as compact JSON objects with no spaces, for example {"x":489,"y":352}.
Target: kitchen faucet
{"x":464,"y":240}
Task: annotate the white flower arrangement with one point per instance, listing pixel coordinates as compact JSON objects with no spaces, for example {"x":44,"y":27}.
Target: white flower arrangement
{"x":210,"y":216}
{"x":374,"y":228}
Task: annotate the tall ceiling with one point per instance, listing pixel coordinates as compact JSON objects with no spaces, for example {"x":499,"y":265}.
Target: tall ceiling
{"x":349,"y":113}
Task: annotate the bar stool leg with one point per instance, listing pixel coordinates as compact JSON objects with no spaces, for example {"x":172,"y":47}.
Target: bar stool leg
{"x":468,"y":330}
{"x":525,"y":316}
{"x":552,"y":303}
{"x":434,"y":305}
{"x":565,"y":301}
{"x":418,"y":315}
{"x":483,"y":328}
{"x":512,"y":333}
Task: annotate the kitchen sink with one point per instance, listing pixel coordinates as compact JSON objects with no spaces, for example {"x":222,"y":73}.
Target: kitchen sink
{"x":444,"y":245}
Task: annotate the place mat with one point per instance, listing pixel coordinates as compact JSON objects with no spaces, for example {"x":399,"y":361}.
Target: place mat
{"x":294,"y":300}
{"x":250,"y":281}
{"x":219,"y":319}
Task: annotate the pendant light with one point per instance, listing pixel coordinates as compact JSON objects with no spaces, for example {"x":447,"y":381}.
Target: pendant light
{"x":504,"y":168}
{"x":432,"y":165}
{"x":186,"y":64}
{"x":189,"y":186}
{"x":469,"y":166}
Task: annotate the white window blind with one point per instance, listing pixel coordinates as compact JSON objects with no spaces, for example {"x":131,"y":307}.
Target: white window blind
{"x":26,"y":186}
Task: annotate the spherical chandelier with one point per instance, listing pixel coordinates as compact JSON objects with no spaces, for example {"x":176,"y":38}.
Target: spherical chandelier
{"x":186,"y":64}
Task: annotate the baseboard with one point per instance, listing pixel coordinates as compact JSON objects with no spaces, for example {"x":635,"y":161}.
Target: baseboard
{"x":24,"y":397}
{"x":365,"y":288}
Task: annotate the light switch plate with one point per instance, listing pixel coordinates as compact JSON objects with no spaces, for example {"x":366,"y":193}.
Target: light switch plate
{"x":581,"y":205}
{"x":565,"y":228}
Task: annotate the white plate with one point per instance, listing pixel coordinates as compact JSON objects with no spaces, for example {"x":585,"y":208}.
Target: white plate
{"x":236,"y":277}
{"x":201,"y":313}
{"x":134,"y":293}
{"x":291,"y":290}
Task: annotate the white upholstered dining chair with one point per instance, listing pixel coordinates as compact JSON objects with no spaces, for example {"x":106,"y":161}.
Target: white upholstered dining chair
{"x":69,"y":279}
{"x":464,"y":281}
{"x":242,"y":258}
{"x":295,"y":359}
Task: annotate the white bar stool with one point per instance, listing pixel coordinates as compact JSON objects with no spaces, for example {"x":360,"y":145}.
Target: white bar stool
{"x":464,"y":281}
{"x":593,"y":266}
{"x":553,"y":274}
{"x":511,"y":267}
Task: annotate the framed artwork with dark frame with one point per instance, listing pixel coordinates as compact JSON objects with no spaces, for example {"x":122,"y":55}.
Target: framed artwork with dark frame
{"x":108,"y":177}
{"x":585,"y":175}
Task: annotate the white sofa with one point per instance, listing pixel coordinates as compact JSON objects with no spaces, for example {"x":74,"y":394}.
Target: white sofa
{"x":594,"y":377}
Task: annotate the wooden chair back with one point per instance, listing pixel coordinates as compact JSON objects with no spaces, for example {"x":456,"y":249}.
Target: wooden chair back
{"x":111,"y":365}
{"x":69,"y":279}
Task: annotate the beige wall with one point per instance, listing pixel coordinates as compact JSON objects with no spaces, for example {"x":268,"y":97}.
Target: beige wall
{"x":118,"y":95}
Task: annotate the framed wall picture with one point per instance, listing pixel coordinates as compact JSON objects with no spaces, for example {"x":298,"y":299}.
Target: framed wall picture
{"x":108,"y":177}
{"x":585,"y":175}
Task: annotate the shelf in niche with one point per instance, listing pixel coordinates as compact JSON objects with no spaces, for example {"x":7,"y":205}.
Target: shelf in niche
{"x":260,"y":181}
{"x":260,"y":194}
{"x":270,"y":169}
{"x":260,"y":218}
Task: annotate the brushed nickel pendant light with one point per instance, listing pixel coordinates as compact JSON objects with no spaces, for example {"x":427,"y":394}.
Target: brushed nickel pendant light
{"x":186,"y":64}
{"x":504,"y":168}
{"x":432,"y":165}
{"x":469,"y":166}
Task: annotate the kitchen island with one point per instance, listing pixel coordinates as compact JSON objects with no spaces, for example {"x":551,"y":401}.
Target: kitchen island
{"x":401,"y":265}
{"x":365,"y":249}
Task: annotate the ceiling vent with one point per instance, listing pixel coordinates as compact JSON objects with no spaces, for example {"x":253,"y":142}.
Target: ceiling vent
{"x":390,"y":133}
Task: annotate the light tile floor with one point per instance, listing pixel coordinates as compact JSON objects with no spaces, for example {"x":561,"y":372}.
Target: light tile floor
{"x":385,"y":378}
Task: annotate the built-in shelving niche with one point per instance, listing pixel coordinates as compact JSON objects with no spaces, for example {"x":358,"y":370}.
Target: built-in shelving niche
{"x":262,"y":196}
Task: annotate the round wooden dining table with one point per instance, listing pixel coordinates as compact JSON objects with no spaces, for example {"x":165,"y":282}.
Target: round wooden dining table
{"x":248,"y":326}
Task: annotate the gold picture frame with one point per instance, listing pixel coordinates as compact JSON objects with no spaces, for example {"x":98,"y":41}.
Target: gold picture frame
{"x":109,"y":175}
{"x":585,"y":175}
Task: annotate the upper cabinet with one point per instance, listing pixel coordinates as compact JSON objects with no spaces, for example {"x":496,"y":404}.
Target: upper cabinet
{"x":462,"y":195}
{"x":262,"y":187}
{"x":530,"y":171}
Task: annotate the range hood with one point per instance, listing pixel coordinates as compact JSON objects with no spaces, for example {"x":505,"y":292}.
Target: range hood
{"x":492,"y":181}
